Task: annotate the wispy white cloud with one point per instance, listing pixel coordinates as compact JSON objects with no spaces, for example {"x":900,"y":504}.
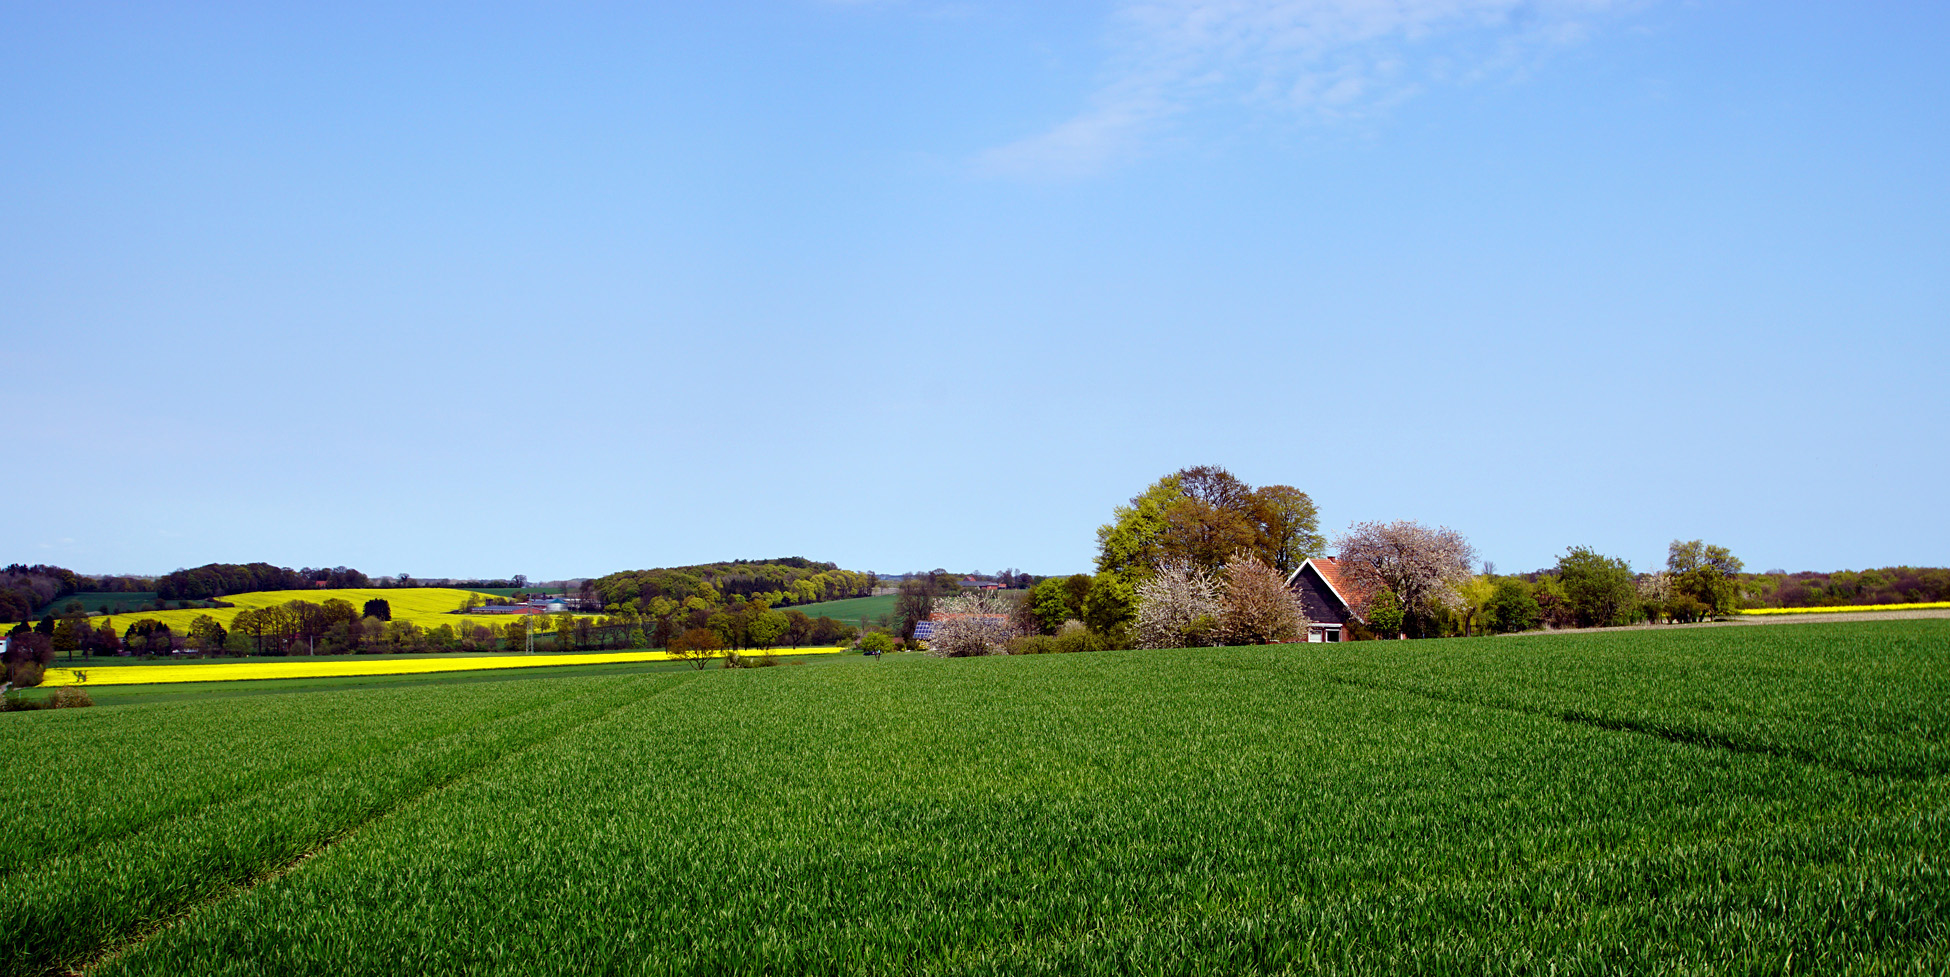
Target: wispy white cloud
{"x":1305,"y":59}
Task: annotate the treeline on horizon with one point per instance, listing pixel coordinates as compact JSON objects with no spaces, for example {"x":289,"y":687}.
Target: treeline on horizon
{"x":29,"y":591}
{"x":775,"y":582}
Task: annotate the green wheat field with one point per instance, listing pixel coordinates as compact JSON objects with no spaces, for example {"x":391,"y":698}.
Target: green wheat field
{"x":1741,"y":800}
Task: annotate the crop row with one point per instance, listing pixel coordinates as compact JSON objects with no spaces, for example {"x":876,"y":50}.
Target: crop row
{"x":1212,"y":811}
{"x":70,"y":906}
{"x":338,"y":666}
{"x":1870,"y":697}
{"x":108,"y":774}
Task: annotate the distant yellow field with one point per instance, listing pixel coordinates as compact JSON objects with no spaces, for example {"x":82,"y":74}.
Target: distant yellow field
{"x":338,"y":667}
{"x":427,"y":607}
{"x":1849,"y":607}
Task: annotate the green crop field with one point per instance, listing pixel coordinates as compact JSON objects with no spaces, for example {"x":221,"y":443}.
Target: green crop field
{"x":1736,"y":800}
{"x":850,"y":610}
{"x":115,"y":603}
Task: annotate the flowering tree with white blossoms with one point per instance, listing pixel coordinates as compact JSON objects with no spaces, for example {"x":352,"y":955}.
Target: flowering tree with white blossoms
{"x":1422,"y":567}
{"x":973,"y":624}
{"x":1178,"y":607}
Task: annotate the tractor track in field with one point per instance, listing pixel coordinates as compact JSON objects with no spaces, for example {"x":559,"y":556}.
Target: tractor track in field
{"x":134,"y":941}
{"x":1704,"y":739}
{"x":219,"y":799}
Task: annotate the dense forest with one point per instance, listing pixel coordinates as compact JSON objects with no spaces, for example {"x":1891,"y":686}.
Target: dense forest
{"x":1888,"y":585}
{"x":26,"y":590}
{"x":787,"y":580}
{"x":221,"y":579}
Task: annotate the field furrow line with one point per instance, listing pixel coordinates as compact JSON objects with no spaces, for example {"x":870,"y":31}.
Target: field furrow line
{"x":1683,"y":735}
{"x":103,"y":870}
{"x":236,"y":890}
{"x":290,"y":775}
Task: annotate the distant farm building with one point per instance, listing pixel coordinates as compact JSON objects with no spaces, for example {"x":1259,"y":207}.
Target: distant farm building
{"x":539,"y":604}
{"x":1331,"y":599}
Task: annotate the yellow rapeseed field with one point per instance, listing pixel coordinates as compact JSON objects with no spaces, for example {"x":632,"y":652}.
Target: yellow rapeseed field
{"x":1937,"y":605}
{"x":340,"y":667}
{"x":427,"y":607}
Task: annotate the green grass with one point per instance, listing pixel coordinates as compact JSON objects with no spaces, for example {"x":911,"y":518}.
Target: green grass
{"x":1729,"y":801}
{"x":852,"y":609}
{"x":123,"y":603}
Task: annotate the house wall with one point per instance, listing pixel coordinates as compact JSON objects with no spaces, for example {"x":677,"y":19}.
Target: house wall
{"x":1319,"y":600}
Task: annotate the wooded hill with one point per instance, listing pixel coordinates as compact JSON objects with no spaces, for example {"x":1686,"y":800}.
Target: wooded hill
{"x":1888,"y":585}
{"x":787,"y":580}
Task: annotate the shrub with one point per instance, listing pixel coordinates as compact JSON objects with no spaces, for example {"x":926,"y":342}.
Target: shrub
{"x":1511,"y":607}
{"x":1685,"y":609}
{"x":69,"y":697}
{"x":1072,"y":637}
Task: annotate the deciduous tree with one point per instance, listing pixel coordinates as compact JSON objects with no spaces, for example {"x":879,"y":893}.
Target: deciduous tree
{"x":1599,"y":588}
{"x":1131,"y":543}
{"x":697,"y":646}
{"x":1511,"y":607}
{"x":1471,"y":598}
{"x":1177,"y":607}
{"x":914,"y":603}
{"x":1256,"y":607}
{"x":1111,"y":607}
{"x":1289,"y":527}
{"x":972,"y":624}
{"x":1704,"y":573}
{"x":767,"y":627}
{"x":207,"y":634}
{"x":1422,"y":567}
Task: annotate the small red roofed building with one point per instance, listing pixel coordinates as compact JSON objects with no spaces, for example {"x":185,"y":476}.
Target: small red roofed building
{"x":1332,"y":600}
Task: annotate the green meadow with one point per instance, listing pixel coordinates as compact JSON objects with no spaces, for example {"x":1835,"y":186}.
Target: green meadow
{"x":850,"y":610}
{"x":1735,"y":800}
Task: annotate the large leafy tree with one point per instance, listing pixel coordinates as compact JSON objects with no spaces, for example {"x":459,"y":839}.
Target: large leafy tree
{"x":1422,"y":567}
{"x":1703,"y":574}
{"x":767,"y":627}
{"x":1049,"y":603}
{"x":207,"y":635}
{"x":1199,"y":517}
{"x":1511,"y":607}
{"x":1289,"y":526}
{"x":1599,"y":588}
{"x":1212,"y":518}
{"x":1131,"y":544}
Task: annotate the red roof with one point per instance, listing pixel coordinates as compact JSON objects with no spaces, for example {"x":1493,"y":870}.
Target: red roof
{"x":1353,"y":595}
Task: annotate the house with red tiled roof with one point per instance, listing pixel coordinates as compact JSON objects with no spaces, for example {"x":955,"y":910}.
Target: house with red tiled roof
{"x":1331,"y":597}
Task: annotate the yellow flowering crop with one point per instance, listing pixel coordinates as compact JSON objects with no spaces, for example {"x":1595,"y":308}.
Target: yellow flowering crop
{"x":338,"y":667}
{"x":428,"y":607}
{"x":1937,"y":605}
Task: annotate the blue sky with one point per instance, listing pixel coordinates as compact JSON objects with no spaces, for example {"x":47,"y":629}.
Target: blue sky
{"x":571,"y":288}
